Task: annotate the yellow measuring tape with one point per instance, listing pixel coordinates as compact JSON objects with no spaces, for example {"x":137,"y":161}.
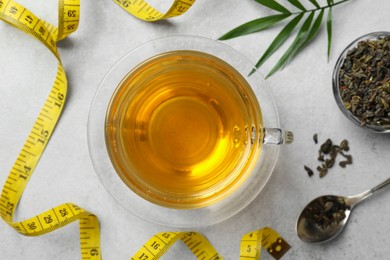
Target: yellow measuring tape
{"x":68,"y":19}
{"x":146,"y":12}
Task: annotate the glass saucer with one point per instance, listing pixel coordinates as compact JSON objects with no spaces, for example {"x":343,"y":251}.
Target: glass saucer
{"x":180,"y":218}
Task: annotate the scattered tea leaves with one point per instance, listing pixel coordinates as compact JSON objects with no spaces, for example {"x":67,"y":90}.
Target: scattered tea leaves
{"x":327,"y":156}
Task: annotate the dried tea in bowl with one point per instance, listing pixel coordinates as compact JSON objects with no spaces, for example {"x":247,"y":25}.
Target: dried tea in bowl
{"x":364,"y":81}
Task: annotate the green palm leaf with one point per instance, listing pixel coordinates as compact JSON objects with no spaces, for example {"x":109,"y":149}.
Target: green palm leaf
{"x":254,"y":26}
{"x":297,"y":4}
{"x":278,"y":41}
{"x":274,"y":5}
{"x":329,"y":29}
{"x":306,"y":33}
{"x":315,"y":28}
{"x":313,"y":31}
{"x":297,"y":43}
{"x":315,"y":3}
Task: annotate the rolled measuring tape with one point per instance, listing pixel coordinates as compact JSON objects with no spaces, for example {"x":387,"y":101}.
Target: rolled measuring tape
{"x":57,"y":217}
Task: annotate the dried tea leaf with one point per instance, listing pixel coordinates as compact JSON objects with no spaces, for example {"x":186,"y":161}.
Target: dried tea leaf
{"x":326,"y":147}
{"x":308,"y":170}
{"x":315,"y":138}
{"x":344,"y":145}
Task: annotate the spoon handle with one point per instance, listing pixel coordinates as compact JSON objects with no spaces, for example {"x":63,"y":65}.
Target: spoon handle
{"x":364,"y":195}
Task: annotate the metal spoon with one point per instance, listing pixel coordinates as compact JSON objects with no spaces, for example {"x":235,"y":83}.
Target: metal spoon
{"x":324,"y":217}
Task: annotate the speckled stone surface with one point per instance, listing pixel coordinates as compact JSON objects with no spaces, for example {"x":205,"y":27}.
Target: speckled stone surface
{"x":303,"y":92}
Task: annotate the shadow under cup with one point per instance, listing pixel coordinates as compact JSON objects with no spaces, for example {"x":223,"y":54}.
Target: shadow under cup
{"x":182,"y":129}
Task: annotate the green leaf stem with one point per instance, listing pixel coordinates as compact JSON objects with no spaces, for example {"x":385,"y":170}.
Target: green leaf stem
{"x":306,"y":31}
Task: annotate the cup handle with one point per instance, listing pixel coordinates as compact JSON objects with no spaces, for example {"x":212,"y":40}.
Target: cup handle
{"x":277,"y":136}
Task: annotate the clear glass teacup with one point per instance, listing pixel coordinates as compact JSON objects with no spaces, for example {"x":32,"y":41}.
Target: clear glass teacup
{"x":179,"y":136}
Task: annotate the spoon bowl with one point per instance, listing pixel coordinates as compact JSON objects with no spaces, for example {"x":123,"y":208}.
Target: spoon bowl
{"x":311,"y":231}
{"x":326,"y":216}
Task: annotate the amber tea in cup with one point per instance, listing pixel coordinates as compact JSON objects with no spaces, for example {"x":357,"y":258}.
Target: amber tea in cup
{"x":182,"y":129}
{"x":175,"y":132}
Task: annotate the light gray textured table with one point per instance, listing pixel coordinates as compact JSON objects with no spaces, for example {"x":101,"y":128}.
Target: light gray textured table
{"x":303,"y":92}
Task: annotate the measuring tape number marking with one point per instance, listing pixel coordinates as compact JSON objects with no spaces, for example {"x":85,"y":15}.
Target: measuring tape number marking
{"x":142,"y":10}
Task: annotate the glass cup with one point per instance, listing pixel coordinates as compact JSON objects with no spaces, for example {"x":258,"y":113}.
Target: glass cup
{"x":176,"y":132}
